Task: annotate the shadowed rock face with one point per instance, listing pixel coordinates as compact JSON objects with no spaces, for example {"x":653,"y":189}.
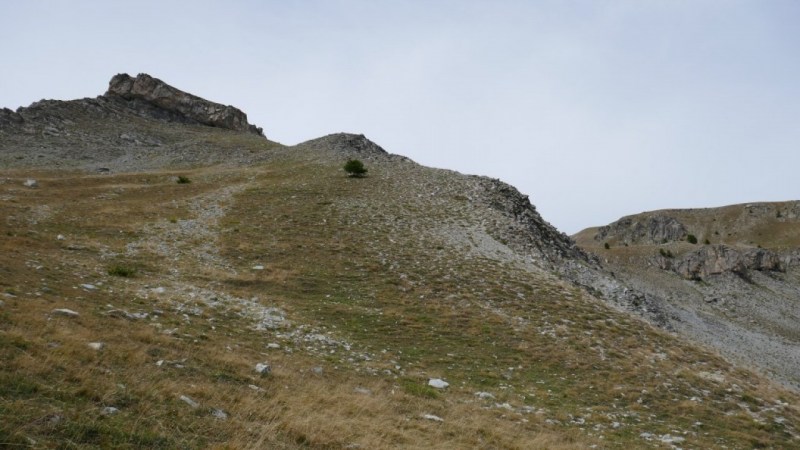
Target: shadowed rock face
{"x":719,"y":259}
{"x":156,"y":92}
{"x":8,"y":116}
{"x":650,"y":230}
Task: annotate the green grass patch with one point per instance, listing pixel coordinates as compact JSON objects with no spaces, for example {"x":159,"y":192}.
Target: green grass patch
{"x":122,"y":271}
{"x":417,"y":389}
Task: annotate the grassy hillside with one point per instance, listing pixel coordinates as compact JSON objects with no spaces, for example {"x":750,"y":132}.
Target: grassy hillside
{"x":356,"y":292}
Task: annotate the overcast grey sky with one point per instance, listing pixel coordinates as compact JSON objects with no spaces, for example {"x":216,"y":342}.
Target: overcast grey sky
{"x":596,"y":109}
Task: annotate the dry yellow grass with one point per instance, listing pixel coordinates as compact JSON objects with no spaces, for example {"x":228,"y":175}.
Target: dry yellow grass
{"x":344,"y":261}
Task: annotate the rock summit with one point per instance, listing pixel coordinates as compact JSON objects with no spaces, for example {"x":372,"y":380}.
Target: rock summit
{"x":160,"y":94}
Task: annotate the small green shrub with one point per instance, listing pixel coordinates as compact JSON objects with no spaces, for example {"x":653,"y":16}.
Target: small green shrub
{"x":419,"y":390}
{"x":121,"y":271}
{"x":184,"y":180}
{"x":665,"y":253}
{"x":692,"y":239}
{"x":606,"y":246}
{"x":707,"y":242}
{"x":355,"y":168}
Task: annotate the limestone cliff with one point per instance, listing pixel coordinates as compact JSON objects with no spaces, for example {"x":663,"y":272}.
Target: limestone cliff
{"x":719,"y":259}
{"x":643,"y":230}
{"x":158,"y":93}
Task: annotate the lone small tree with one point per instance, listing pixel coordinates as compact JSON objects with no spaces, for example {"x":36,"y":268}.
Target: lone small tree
{"x":355,"y":168}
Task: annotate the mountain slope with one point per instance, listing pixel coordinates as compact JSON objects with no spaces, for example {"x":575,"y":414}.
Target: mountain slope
{"x":737,"y":288}
{"x":356,"y":292}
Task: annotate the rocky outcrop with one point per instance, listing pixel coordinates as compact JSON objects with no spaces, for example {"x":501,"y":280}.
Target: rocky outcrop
{"x":643,"y":230}
{"x":788,"y":211}
{"x":347,"y":143}
{"x":160,"y":94}
{"x":534,"y":236}
{"x":719,"y":259}
{"x":8,"y":117}
{"x":537,"y":235}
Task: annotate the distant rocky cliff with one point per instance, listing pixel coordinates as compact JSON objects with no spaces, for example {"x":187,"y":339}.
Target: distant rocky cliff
{"x":719,"y":259}
{"x":156,"y":92}
{"x":643,"y":230}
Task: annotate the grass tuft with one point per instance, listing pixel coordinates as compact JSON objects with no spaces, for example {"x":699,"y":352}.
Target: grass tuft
{"x":122,"y":271}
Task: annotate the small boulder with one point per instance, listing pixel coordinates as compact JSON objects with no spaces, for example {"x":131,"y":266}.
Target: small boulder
{"x":189,"y":401}
{"x":31,"y":183}
{"x":219,"y":414}
{"x":122,"y":314}
{"x":96,"y":345}
{"x":432,"y":417}
{"x":109,"y":411}
{"x":263,"y":368}
{"x":64,"y":312}
{"x":438,"y":383}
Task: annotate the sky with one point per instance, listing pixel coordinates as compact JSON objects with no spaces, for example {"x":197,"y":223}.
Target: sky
{"x":595,"y":109}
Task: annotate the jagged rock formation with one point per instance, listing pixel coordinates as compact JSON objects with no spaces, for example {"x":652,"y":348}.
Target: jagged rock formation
{"x":643,"y":230}
{"x":8,"y":117}
{"x":536,"y":234}
{"x":140,"y":124}
{"x":152,"y":90}
{"x":719,"y":259}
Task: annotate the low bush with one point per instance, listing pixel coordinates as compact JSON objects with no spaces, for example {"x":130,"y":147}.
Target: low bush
{"x":121,"y":271}
{"x":355,"y":168}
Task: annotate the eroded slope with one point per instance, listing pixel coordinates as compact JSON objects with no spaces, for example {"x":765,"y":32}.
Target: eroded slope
{"x":730,"y":276}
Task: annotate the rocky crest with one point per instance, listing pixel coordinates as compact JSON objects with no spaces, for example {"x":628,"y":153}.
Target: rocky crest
{"x":156,"y":92}
{"x":535,"y":235}
{"x":8,"y":117}
{"x":718,"y":259}
{"x":648,"y":230}
{"x":352,"y":145}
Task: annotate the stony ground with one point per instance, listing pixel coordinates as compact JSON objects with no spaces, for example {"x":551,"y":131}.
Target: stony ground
{"x":357,"y":293}
{"x":269,"y":301}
